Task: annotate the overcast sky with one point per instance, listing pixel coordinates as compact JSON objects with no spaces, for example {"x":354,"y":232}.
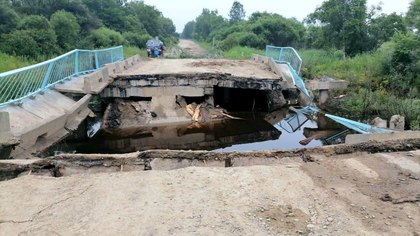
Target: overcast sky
{"x":182,"y":11}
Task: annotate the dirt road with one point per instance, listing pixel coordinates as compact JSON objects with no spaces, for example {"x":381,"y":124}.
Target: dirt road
{"x":354,"y":194}
{"x":192,"y":48}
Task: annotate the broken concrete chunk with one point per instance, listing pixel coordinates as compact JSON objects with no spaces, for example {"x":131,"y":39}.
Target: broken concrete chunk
{"x":378,"y":122}
{"x":397,"y":122}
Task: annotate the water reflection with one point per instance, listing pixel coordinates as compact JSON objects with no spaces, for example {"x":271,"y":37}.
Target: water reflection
{"x":277,"y":130}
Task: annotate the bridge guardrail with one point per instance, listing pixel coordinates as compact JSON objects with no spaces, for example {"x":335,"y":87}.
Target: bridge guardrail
{"x":25,"y":82}
{"x":288,"y":56}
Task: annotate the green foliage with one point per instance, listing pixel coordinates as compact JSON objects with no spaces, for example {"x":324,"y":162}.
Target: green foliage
{"x":343,"y":24}
{"x":9,"y":19}
{"x":241,"y":53}
{"x":12,"y":62}
{"x":277,"y":30}
{"x":34,"y":38}
{"x":404,"y":66}
{"x":78,"y":23}
{"x":364,"y":104}
{"x":104,"y":37}
{"x":153,"y":21}
{"x":242,"y":39}
{"x":136,"y":39}
{"x":383,"y":27}
{"x":357,"y":70}
{"x":66,"y":28}
{"x":110,"y":12}
{"x":237,"y":12}
{"x":206,"y":23}
{"x":131,"y":51}
{"x":413,"y":16}
{"x":188,"y":31}
{"x":20,"y":43}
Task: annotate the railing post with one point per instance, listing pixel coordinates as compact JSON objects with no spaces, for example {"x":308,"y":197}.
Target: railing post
{"x":47,"y":75}
{"x":76,"y":62}
{"x":96,"y":60}
{"x":281,"y":53}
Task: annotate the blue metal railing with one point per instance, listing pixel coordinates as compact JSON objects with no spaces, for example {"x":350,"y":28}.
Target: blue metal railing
{"x":285,"y":55}
{"x":21,"y":83}
{"x":288,"y":56}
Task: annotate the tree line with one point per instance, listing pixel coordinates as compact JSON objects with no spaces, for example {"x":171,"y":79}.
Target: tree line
{"x":350,"y":27}
{"x":34,"y":28}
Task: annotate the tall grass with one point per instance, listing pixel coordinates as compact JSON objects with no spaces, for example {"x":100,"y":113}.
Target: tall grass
{"x":241,"y":53}
{"x":8,"y":62}
{"x":131,"y":51}
{"x":357,"y":70}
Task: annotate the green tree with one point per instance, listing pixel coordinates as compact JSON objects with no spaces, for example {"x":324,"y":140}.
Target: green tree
{"x":277,"y":30}
{"x":237,"y":12}
{"x":20,"y":43}
{"x":111,"y":12}
{"x":188,"y":31}
{"x":105,"y":37}
{"x":66,"y":28}
{"x":206,"y":23}
{"x":413,"y":16}
{"x":343,"y":24}
{"x":405,"y":63}
{"x":383,"y":27}
{"x":9,"y":19}
{"x":41,"y":31}
{"x":136,"y":39}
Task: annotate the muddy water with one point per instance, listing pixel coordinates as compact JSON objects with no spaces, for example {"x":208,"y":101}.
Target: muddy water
{"x":255,"y":131}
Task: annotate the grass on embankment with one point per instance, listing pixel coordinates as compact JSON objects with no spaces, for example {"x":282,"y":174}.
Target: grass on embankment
{"x":235,"y":53}
{"x":8,"y":62}
{"x":130,"y":51}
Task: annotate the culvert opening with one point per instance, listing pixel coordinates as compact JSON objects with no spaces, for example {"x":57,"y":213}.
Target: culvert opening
{"x":196,"y":100}
{"x":235,"y":99}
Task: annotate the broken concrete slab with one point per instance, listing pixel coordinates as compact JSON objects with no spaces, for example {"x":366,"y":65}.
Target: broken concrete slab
{"x":326,"y":83}
{"x":395,"y":136}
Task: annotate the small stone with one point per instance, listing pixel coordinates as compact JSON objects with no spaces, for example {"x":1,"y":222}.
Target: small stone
{"x":310,"y":226}
{"x":330,"y":219}
{"x":390,"y":217}
{"x":324,"y":227}
{"x":296,"y":220}
{"x":262,"y":209}
{"x":410,"y":217}
{"x":352,"y":205}
{"x":387,"y":223}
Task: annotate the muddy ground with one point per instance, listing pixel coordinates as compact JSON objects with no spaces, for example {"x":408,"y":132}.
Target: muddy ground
{"x":282,"y":193}
{"x":192,"y":48}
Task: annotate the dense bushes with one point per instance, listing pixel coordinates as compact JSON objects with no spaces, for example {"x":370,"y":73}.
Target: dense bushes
{"x":40,"y":29}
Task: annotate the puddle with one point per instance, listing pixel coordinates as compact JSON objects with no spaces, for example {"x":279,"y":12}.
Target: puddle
{"x":256,"y":131}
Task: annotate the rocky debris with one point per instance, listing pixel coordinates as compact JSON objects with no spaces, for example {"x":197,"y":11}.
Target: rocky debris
{"x":276,"y":100}
{"x":206,"y":112}
{"x":282,"y":219}
{"x":388,"y":198}
{"x":127,"y":114}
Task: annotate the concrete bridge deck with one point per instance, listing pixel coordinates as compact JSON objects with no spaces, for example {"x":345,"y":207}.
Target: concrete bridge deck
{"x":236,"y":68}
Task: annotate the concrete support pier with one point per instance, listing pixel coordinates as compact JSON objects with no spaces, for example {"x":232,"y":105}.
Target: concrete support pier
{"x":324,"y":85}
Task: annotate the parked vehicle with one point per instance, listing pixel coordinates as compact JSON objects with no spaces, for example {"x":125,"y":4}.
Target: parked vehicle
{"x":154,"y":47}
